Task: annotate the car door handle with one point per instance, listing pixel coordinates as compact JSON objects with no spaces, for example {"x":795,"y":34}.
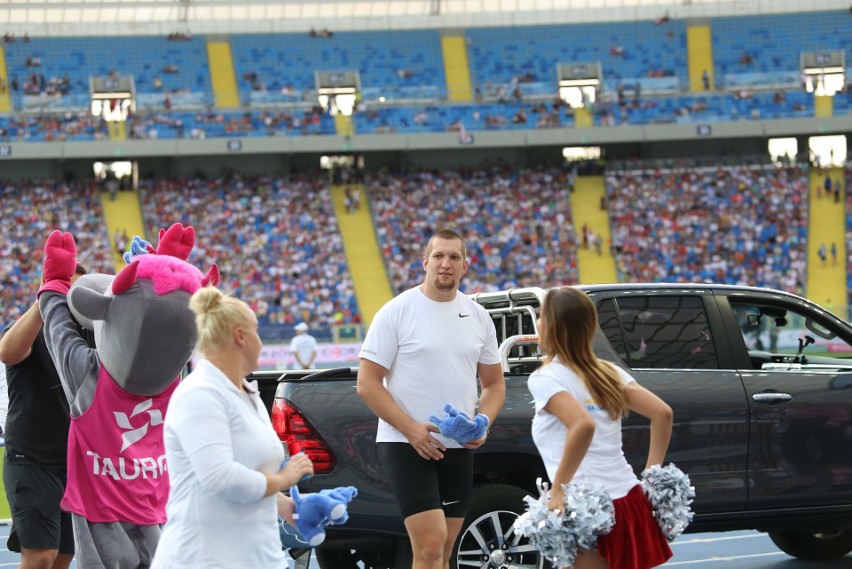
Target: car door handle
{"x":772,"y":397}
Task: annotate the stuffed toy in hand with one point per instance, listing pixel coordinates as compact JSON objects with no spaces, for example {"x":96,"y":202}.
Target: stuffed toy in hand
{"x":290,"y":536}
{"x":342,"y":494}
{"x":315,"y":511}
{"x":137,"y":247}
{"x":458,"y":426}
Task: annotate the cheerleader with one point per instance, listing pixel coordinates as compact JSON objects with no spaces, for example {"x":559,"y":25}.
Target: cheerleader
{"x":579,"y":403}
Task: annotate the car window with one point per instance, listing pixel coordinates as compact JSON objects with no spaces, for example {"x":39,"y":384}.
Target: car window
{"x":611,"y":327}
{"x":779,"y":335}
{"x":659,"y":331}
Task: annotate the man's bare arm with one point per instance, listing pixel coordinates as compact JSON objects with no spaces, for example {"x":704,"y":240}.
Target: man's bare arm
{"x":492,"y":397}
{"x":371,"y":389}
{"x":17,"y":343}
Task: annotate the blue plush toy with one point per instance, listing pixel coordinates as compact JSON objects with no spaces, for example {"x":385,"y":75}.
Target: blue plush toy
{"x":290,"y":536}
{"x":314,"y":512}
{"x":458,"y":426}
{"x":137,"y":247}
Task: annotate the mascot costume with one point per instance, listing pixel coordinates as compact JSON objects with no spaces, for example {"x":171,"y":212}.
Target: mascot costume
{"x":145,"y":334}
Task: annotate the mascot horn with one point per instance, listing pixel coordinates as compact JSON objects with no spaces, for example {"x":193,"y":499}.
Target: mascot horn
{"x":118,"y":393}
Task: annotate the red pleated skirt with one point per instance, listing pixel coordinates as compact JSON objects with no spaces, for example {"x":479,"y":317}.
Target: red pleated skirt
{"x":636,"y":541}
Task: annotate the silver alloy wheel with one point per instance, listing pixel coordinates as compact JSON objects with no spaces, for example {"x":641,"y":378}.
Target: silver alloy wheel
{"x":490,"y":543}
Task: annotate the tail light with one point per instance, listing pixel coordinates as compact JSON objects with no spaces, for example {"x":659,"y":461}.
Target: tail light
{"x":300,"y":436}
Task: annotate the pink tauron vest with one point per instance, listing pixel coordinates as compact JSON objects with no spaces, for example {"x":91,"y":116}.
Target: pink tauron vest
{"x":116,"y":457}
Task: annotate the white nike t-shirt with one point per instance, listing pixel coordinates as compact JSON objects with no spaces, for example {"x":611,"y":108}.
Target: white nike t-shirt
{"x":431,"y":350}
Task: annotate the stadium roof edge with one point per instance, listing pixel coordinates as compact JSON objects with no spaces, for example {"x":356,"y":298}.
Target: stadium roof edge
{"x":200,"y":17}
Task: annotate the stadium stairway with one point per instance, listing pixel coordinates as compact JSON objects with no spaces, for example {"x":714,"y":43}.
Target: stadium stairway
{"x":456,"y":67}
{"x":586,"y":209}
{"x":583,"y":118}
{"x":222,"y":76}
{"x":363,"y":255}
{"x":826,"y":225}
{"x":344,"y":125}
{"x":823,"y":106}
{"x":117,"y":130}
{"x":122,"y":214}
{"x":699,"y":46}
{"x":5,"y":95}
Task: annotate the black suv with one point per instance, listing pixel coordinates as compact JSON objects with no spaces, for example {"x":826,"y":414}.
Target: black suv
{"x":761,"y":386}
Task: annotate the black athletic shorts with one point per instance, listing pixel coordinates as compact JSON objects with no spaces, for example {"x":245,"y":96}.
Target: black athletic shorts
{"x":420,"y":485}
{"x":34,"y":494}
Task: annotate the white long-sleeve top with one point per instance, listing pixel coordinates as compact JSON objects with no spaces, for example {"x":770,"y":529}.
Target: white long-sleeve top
{"x":218,"y":441}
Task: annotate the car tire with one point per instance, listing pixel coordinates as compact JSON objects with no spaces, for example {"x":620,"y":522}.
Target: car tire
{"x":813,"y":546}
{"x":491,"y":515}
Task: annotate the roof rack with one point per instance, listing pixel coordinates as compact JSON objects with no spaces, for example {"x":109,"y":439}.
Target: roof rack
{"x":510,"y":298}
{"x":515,"y":315}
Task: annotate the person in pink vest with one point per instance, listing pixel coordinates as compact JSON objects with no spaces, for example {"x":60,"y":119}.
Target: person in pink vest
{"x":118,"y":393}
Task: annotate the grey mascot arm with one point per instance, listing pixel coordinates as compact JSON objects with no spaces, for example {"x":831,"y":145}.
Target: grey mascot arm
{"x":78,"y":364}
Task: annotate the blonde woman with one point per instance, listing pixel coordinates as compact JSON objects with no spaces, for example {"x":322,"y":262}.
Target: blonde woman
{"x":223,"y":455}
{"x":579,"y":403}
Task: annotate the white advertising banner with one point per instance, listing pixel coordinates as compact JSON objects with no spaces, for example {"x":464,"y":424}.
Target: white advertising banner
{"x":279,"y":356}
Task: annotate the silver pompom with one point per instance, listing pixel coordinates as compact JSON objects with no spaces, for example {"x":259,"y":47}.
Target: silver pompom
{"x":588,"y":513}
{"x":670,"y":493}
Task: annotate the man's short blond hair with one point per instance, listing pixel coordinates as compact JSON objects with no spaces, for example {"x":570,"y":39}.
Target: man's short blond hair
{"x":449,"y":235}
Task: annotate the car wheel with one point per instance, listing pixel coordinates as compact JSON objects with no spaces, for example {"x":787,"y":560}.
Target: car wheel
{"x":813,"y":546}
{"x":486,"y":538}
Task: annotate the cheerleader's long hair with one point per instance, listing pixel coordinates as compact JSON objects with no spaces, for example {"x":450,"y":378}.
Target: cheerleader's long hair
{"x":567,"y":326}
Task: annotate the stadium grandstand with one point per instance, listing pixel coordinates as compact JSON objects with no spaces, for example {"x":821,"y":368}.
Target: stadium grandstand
{"x":316,"y":144}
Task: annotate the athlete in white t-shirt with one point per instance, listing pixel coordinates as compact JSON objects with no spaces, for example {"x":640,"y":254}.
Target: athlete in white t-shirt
{"x":423,"y":350}
{"x":579,"y":403}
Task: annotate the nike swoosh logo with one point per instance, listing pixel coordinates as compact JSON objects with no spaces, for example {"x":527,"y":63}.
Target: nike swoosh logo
{"x":463,"y":315}
{"x":454,"y":501}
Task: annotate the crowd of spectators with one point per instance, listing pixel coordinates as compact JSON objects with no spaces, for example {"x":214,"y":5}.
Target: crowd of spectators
{"x":48,"y":127}
{"x":734,"y":225}
{"x":277,"y":245}
{"x":31,"y":210}
{"x":211,"y":123}
{"x":36,"y":83}
{"x":84,"y":126}
{"x":516,"y":222}
{"x":625,"y":106}
{"x":274,"y":239}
